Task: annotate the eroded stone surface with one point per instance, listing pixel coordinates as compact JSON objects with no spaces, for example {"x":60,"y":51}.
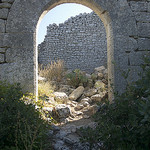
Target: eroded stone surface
{"x":127,"y":30}
{"x":76,"y":93}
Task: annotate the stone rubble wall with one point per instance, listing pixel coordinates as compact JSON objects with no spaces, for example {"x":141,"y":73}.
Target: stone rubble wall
{"x":127,"y":23}
{"x":5,"y":6}
{"x":80,"y":42}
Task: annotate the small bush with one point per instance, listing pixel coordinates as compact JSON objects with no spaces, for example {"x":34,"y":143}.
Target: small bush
{"x":44,"y":89}
{"x":53,"y":71}
{"x":76,"y":77}
{"x":21,"y":126}
{"x":125,"y":123}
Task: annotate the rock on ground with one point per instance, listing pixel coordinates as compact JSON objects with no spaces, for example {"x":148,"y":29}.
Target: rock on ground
{"x":76,"y":93}
{"x":62,"y":111}
{"x":60,"y":97}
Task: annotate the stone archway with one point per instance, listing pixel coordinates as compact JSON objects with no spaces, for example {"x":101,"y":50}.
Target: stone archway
{"x":21,"y":29}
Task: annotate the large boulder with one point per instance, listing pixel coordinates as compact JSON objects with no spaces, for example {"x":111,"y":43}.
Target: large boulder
{"x":62,"y":111}
{"x":76,"y":93}
{"x":60,"y":97}
{"x":90,"y":92}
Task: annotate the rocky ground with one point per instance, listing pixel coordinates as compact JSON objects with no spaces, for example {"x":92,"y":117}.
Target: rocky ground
{"x":74,"y":109}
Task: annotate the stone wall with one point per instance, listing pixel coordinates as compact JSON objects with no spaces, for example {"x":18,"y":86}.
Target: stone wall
{"x":127,"y":24}
{"x":141,"y":12}
{"x":80,"y":42}
{"x":5,"y":6}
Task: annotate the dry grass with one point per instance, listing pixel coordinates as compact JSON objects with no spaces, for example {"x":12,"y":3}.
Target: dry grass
{"x":45,"y":89}
{"x":53,"y":71}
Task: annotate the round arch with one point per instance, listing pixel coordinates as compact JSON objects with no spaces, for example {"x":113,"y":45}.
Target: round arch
{"x":22,"y":26}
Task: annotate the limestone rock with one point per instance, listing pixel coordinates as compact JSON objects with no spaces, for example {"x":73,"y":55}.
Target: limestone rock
{"x":87,"y":99}
{"x":100,"y":69}
{"x":62,"y":111}
{"x":76,"y":93}
{"x":71,"y":138}
{"x":64,"y":88}
{"x":61,"y":97}
{"x":5,"y":5}
{"x":51,"y":101}
{"x":100,"y":76}
{"x":88,"y":75}
{"x":105,"y":81}
{"x":49,"y":109}
{"x":90,"y":92}
{"x":90,"y":110}
{"x":79,"y":107}
{"x":97,"y":98}
{"x":99,"y":85}
{"x":85,"y":104}
{"x":41,"y":79}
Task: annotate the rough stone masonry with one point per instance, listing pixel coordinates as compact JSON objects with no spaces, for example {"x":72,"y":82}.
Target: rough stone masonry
{"x":127,"y":26}
{"x":80,"y":42}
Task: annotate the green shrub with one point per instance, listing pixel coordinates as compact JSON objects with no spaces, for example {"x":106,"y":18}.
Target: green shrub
{"x":125,"y":123}
{"x":21,"y":126}
{"x":76,"y":77}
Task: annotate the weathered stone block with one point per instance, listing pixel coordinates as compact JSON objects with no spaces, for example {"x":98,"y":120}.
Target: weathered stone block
{"x":144,"y":44}
{"x":5,"y":5}
{"x":1,"y":39}
{"x":3,"y":13}
{"x":18,"y":40}
{"x":2,"y":50}
{"x":142,"y":16}
{"x":2,"y":25}
{"x":139,"y":6}
{"x":125,"y":44}
{"x":143,"y":29}
{"x":19,"y":73}
{"x":2,"y":58}
{"x":136,"y":58}
{"x":125,"y":25}
{"x":134,"y":73}
{"x":148,"y":6}
{"x":8,"y":1}
{"x":19,"y":55}
{"x":26,"y":17}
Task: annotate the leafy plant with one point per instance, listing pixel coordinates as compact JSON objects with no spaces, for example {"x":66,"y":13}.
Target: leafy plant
{"x":76,"y":77}
{"x":125,"y":123}
{"x":21,"y":126}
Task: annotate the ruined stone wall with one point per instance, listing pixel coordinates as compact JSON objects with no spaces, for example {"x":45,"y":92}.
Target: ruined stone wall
{"x":5,"y":6}
{"x":80,"y":42}
{"x":127,"y":24}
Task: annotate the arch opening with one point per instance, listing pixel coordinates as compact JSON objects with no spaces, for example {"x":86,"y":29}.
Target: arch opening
{"x":104,"y":16}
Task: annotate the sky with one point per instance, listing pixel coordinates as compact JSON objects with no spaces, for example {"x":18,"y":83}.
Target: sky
{"x":59,"y":14}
